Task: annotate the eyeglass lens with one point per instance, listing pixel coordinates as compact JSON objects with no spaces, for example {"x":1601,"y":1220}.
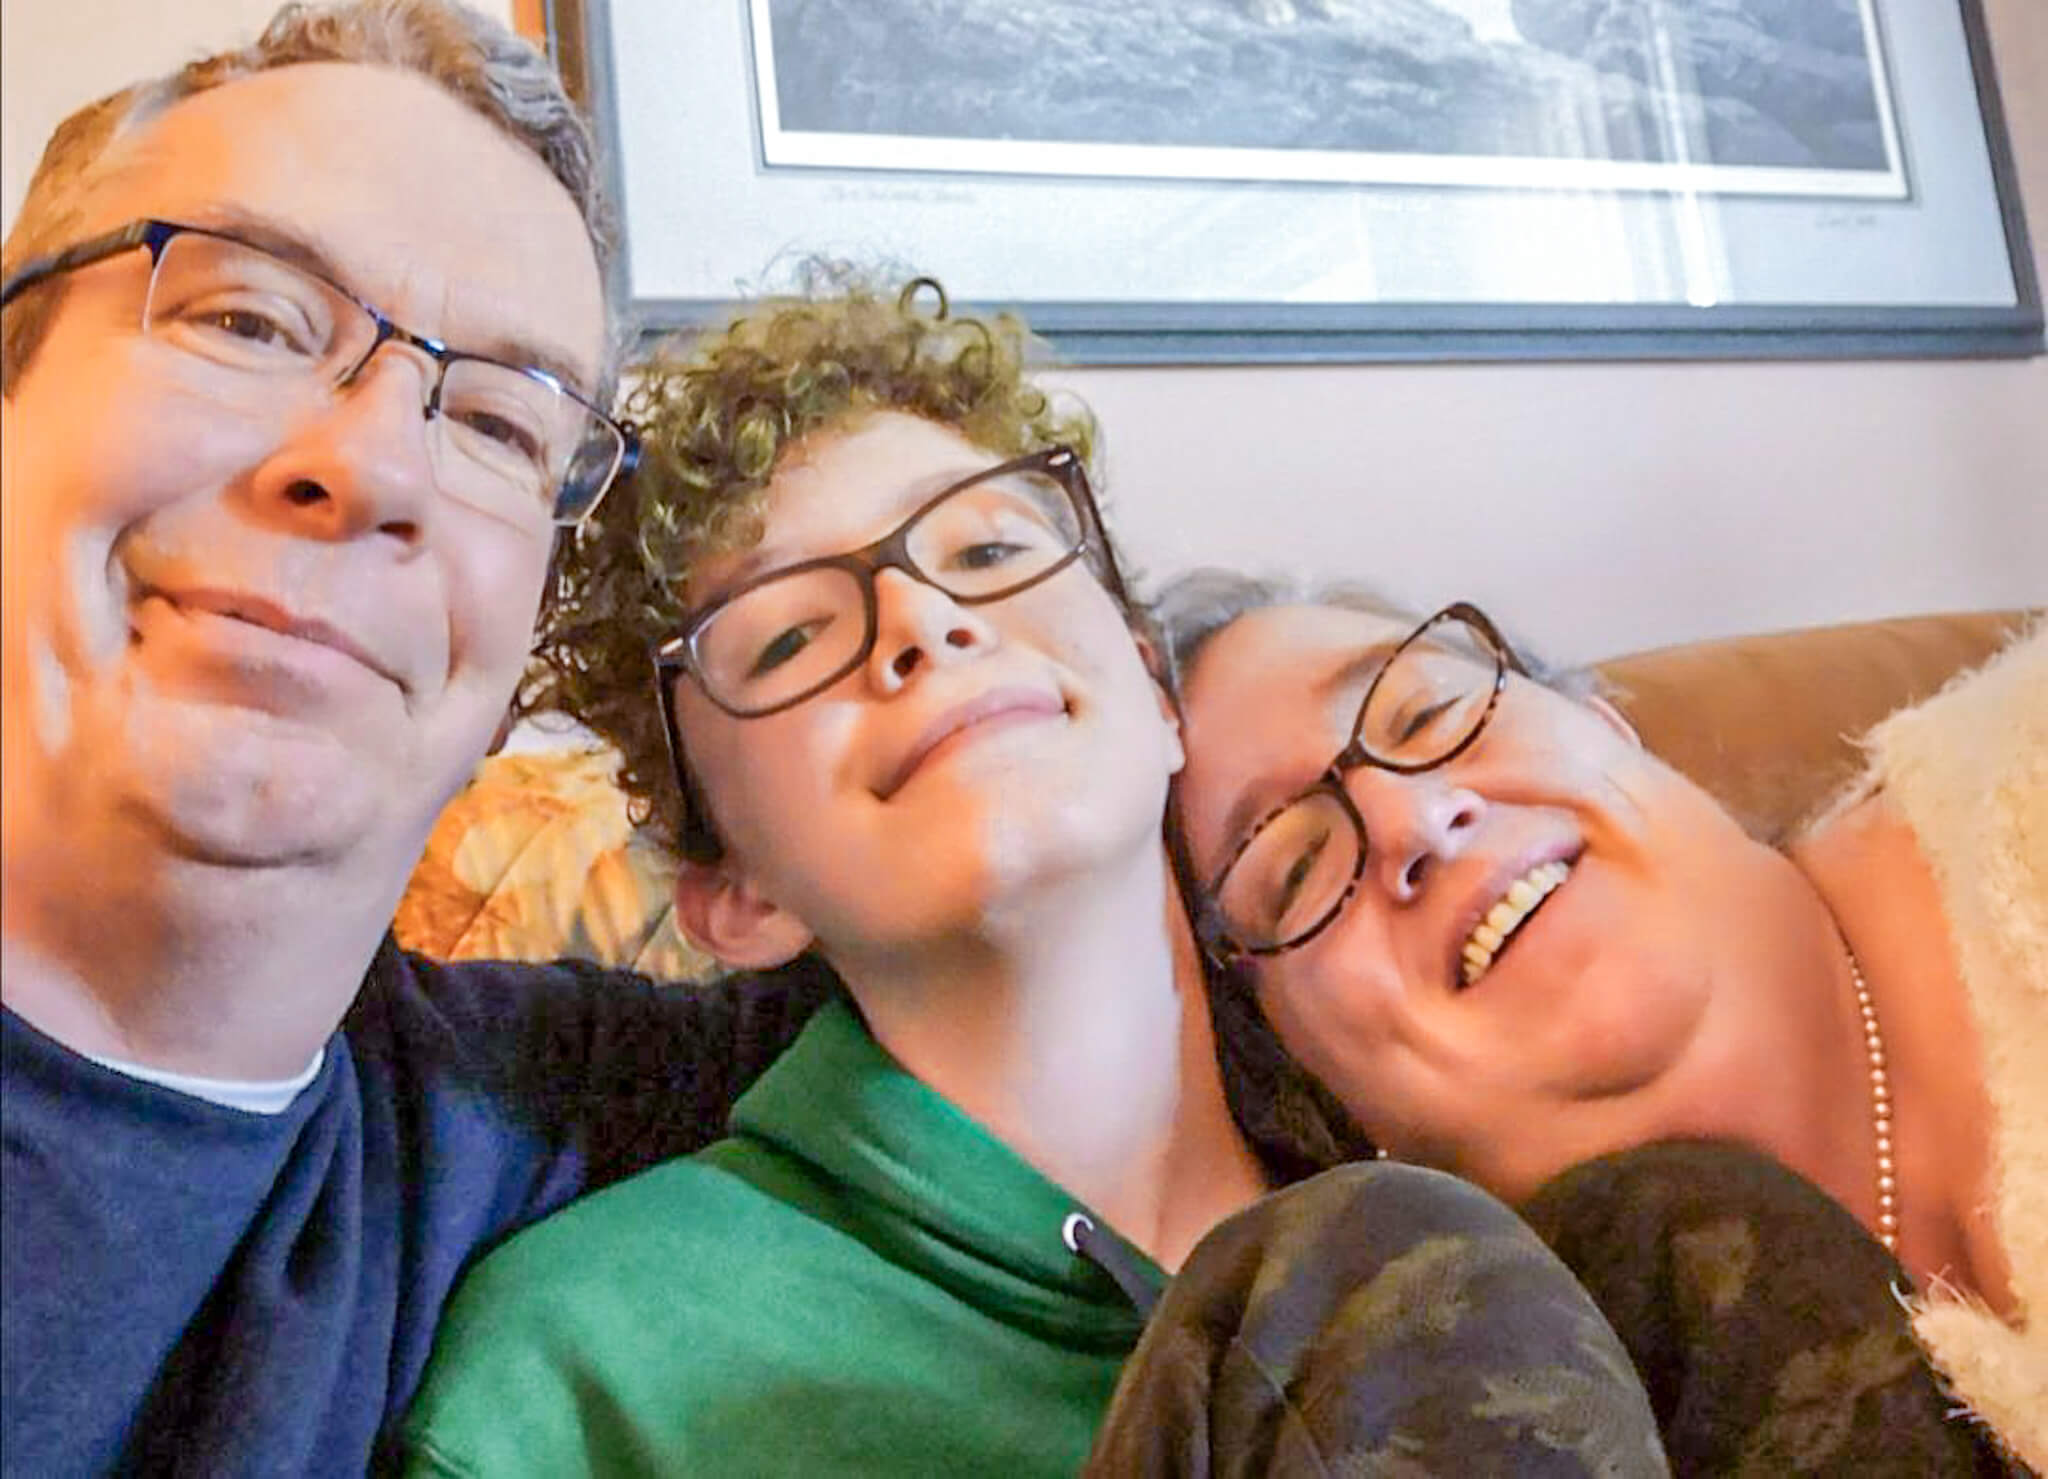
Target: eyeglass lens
{"x":261,"y":334}
{"x":791,"y":634}
{"x":1292,"y":875}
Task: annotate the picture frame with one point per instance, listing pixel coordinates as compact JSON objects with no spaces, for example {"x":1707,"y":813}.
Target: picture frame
{"x":1446,"y":188}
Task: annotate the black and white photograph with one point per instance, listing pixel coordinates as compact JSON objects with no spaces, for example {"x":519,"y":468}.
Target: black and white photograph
{"x":1236,"y":181}
{"x":1770,"y":96}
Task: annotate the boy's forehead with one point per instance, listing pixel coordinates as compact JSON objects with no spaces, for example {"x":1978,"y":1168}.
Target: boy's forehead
{"x":876,"y":467}
{"x":841,"y":486}
{"x":414,"y":202}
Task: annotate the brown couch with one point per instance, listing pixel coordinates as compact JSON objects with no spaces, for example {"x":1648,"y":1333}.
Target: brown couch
{"x":1768,"y":724}
{"x":538,"y":859}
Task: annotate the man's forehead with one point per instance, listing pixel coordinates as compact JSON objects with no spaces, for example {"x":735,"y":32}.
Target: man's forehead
{"x":407,"y":198}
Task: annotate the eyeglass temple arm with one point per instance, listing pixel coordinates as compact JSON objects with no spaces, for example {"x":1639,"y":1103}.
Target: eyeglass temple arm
{"x":82,"y":254}
{"x":1466,"y":611}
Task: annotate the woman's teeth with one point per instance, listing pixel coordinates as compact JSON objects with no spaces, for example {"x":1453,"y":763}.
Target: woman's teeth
{"x":1506,"y":916}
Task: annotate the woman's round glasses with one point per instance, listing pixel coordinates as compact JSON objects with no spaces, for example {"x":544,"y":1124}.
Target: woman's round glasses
{"x":1300,"y":863}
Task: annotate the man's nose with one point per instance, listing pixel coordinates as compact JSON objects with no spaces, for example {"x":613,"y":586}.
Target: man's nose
{"x":358,"y":460}
{"x":918,"y":625}
{"x":1413,"y":823}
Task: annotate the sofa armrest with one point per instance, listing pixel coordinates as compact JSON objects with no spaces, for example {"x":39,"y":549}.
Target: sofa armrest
{"x":1768,"y":724}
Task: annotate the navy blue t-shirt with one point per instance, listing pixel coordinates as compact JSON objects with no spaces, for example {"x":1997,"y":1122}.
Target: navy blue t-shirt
{"x":191,"y":1289}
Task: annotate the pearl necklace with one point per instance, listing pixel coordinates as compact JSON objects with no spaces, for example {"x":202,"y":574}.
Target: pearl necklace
{"x":1880,"y":1110}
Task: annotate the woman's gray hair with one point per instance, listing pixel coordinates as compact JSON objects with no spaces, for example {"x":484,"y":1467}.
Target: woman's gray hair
{"x":1193,"y":608}
{"x":476,"y":59}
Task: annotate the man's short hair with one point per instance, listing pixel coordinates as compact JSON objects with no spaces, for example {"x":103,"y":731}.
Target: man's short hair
{"x":489,"y":69}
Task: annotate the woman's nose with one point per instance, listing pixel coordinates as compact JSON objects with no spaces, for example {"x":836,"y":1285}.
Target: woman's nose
{"x":1413,"y":823}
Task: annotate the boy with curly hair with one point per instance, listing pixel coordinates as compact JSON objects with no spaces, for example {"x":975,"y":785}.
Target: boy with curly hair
{"x":903,"y":720}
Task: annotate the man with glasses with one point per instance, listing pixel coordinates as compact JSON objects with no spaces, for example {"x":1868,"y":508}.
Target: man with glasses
{"x":306,"y":361}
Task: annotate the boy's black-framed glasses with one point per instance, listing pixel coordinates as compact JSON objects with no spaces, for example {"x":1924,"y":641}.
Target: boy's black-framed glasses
{"x":1300,"y":863}
{"x":789,"y":634}
{"x":264,"y":335}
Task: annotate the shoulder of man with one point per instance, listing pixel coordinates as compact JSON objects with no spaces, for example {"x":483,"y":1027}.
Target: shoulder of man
{"x":624,"y":1070}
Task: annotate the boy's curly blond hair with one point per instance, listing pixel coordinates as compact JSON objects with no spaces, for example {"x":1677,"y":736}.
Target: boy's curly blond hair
{"x":716,"y":415}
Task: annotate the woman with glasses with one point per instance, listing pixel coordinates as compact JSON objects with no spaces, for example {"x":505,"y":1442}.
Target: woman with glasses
{"x":858,"y":633}
{"x":1511,"y":942}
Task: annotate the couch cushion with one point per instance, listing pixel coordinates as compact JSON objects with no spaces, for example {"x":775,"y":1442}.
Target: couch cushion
{"x":1768,"y":723}
{"x":536,"y":860}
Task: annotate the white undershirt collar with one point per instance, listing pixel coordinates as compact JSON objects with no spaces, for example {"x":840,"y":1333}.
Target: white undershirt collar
{"x":273,"y":1096}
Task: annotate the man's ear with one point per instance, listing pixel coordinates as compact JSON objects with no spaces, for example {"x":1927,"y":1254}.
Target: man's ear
{"x":721,"y":912}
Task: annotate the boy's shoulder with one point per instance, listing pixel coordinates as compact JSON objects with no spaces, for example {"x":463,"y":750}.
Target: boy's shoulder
{"x":634,"y":1293}
{"x":597,"y":1249}
{"x":660,"y":1326}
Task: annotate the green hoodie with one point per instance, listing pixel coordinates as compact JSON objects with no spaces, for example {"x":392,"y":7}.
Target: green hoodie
{"x":860,"y":1281}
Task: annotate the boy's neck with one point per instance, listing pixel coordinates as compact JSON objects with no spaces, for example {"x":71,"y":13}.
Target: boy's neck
{"x":1081,"y":1038}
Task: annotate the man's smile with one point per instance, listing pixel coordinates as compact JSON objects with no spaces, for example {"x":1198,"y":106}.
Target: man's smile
{"x":257,"y":630}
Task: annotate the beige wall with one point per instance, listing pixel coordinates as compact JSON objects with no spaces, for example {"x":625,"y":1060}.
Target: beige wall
{"x":58,"y":54}
{"x":1601,"y":508}
{"x":1597,"y":507}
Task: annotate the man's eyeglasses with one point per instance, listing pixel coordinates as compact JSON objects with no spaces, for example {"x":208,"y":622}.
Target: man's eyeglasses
{"x":1300,"y":864}
{"x":265,"y":335}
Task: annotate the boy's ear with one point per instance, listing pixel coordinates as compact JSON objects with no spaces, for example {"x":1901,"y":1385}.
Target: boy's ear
{"x":1169,"y":716}
{"x":1154,"y":659}
{"x":1162,"y":691}
{"x":721,"y":912}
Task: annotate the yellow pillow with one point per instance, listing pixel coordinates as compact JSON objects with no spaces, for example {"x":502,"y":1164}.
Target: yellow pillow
{"x":537,"y":860}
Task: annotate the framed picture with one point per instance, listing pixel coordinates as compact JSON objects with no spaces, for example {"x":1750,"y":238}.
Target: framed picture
{"x":1155,"y":181}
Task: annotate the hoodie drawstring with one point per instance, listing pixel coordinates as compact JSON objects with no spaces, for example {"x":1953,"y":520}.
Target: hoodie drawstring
{"x":1082,"y":1236}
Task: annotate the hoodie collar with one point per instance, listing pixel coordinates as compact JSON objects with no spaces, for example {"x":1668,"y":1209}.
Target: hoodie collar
{"x":929,"y":1188}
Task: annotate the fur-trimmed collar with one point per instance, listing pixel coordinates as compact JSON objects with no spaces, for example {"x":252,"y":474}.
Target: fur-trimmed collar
{"x":1968,"y":772}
